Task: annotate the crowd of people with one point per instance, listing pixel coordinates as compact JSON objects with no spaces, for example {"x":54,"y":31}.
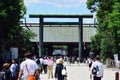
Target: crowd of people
{"x":31,"y":68}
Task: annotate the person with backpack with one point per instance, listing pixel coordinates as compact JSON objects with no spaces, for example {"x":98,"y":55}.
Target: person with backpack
{"x":50,"y":67}
{"x":38,"y":63}
{"x":90,"y":61}
{"x":14,"y":68}
{"x":97,"y":69}
{"x":6,"y":71}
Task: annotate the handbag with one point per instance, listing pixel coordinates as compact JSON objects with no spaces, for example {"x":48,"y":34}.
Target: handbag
{"x":30,"y":77}
{"x":64,"y":71}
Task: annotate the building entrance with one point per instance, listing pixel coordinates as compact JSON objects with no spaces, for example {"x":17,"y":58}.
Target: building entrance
{"x":42,"y":17}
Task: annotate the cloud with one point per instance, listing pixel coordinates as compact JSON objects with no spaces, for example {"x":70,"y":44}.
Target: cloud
{"x":29,"y":2}
{"x":65,"y":3}
{"x":58,"y":3}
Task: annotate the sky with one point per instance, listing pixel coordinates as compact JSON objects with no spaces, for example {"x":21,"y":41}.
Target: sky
{"x":56,"y":7}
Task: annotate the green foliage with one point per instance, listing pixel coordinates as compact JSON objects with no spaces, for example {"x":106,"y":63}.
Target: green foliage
{"x":108,"y":16}
{"x":24,"y":40}
{"x":95,"y":43}
{"x":114,"y":24}
{"x":10,"y":13}
{"x":28,"y":34}
{"x":114,"y":20}
{"x":21,"y":39}
{"x":107,"y":47}
{"x":63,"y":47}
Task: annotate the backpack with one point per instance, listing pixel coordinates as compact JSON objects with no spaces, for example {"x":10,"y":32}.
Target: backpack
{"x":38,"y":61}
{"x":5,"y":75}
{"x":95,"y":70}
{"x":90,"y":64}
{"x":16,"y":70}
{"x":2,"y":75}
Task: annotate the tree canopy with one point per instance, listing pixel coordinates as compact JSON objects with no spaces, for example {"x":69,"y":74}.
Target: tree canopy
{"x":11,"y":11}
{"x":108,"y":16}
{"x":10,"y":14}
{"x":11,"y":33}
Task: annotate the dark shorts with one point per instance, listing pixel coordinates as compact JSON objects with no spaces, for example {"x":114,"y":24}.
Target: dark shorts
{"x":96,"y":78}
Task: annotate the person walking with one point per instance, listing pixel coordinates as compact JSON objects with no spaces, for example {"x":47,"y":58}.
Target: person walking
{"x":41,"y":63}
{"x":90,"y":61}
{"x":37,"y":60}
{"x":96,"y":69}
{"x":58,"y":70}
{"x":50,"y":67}
{"x":28,"y":68}
{"x":14,"y":68}
{"x":44,"y":65}
{"x":7,"y":72}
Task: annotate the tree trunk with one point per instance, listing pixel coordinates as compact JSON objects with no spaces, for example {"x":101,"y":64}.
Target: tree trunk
{"x":2,"y":45}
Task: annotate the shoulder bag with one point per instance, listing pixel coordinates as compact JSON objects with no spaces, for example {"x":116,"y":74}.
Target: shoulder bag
{"x":30,"y":77}
{"x":64,"y":71}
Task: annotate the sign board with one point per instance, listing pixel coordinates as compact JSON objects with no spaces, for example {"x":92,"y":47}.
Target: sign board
{"x":14,"y":52}
{"x":116,"y":57}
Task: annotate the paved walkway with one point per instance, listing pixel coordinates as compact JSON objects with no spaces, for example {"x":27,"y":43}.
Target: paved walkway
{"x":81,"y":72}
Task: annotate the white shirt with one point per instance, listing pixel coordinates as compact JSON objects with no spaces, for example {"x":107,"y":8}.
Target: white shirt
{"x":31,"y":65}
{"x":100,"y":68}
{"x":13,"y":68}
{"x":44,"y":61}
{"x":41,"y":60}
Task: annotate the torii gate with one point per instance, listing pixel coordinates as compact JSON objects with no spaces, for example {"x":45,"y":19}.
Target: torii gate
{"x":79,"y":23}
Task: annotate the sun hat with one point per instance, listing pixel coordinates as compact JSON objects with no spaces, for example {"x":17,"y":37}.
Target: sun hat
{"x":28,"y":54}
{"x":60,"y":61}
{"x":6,"y":65}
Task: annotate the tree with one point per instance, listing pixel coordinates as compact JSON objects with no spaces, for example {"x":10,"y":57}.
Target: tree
{"x":10,"y":13}
{"x":102,"y":9}
{"x":114,"y":24}
{"x":22,"y":39}
{"x":95,"y":44}
{"x":107,"y":13}
{"x":107,"y":47}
